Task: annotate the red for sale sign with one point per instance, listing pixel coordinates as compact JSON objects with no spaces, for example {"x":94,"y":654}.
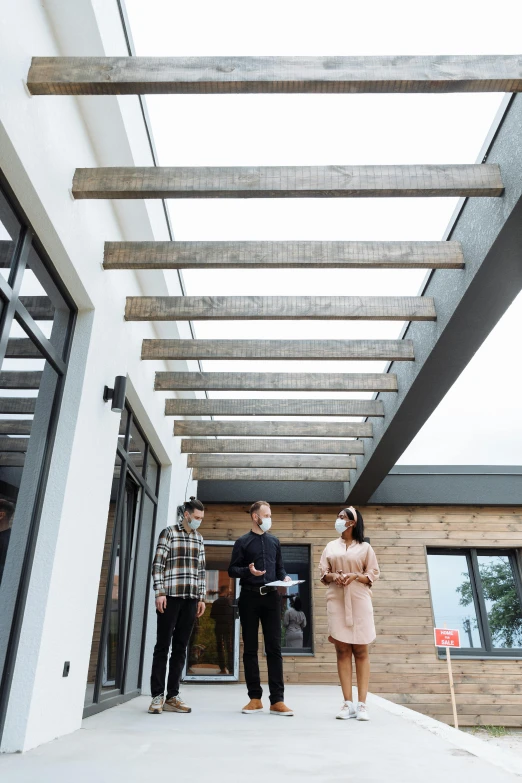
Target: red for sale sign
{"x":445,"y":637}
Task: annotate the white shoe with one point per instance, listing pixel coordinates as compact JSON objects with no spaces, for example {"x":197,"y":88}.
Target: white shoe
{"x":156,"y":705}
{"x":362,"y":712}
{"x":347,"y":711}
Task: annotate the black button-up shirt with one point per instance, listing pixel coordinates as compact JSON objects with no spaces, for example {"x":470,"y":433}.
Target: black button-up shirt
{"x":264,"y":551}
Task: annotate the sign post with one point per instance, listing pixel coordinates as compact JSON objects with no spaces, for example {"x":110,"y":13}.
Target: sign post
{"x":444,"y":637}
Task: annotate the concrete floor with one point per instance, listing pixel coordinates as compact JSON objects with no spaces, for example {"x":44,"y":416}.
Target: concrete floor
{"x":217,"y":743}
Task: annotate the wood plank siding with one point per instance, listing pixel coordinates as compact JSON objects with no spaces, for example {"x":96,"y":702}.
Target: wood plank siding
{"x":405,"y":666}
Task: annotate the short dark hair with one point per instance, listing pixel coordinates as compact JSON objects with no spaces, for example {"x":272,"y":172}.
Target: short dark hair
{"x":7,"y":508}
{"x":193,"y":503}
{"x":358,"y":530}
{"x":254,"y":508}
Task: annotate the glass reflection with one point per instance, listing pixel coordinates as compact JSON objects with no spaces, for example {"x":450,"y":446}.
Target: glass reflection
{"x":452,"y":596}
{"x":19,"y":380}
{"x":296,"y":632}
{"x":136,"y":447}
{"x":108,"y":665}
{"x":211,"y":649}
{"x":152,"y":472}
{"x":9,"y":235}
{"x":502,"y":601}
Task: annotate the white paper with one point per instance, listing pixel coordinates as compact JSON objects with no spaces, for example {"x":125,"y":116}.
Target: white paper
{"x":280,"y":583}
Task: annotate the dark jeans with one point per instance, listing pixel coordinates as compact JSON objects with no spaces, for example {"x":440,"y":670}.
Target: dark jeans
{"x":267,"y":608}
{"x":174,"y":625}
{"x":224,"y":647}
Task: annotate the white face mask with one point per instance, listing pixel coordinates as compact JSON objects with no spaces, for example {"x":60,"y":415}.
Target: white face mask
{"x":340,"y":526}
{"x":266,"y":524}
{"x":194,"y":523}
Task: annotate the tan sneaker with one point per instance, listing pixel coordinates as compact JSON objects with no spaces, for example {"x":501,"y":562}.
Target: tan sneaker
{"x":176,"y":704}
{"x":280,"y":708}
{"x":254,"y":705}
{"x":156,"y":705}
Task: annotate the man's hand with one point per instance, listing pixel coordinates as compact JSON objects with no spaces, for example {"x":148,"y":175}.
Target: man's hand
{"x":201,"y":609}
{"x":161,"y":603}
{"x":287,"y":578}
{"x":254,"y":571}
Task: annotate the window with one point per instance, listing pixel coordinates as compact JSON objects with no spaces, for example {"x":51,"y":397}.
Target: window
{"x":479,"y":592}
{"x":296,"y":603}
{"x":116,"y":659}
{"x":36,"y":324}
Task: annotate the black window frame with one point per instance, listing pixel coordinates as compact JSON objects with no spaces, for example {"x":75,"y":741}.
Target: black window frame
{"x":471,"y":554}
{"x":127,"y":468}
{"x":13,"y":310}
{"x":309,"y":651}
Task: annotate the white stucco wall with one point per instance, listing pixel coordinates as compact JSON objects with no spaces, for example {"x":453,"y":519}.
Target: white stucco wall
{"x":42,"y":141}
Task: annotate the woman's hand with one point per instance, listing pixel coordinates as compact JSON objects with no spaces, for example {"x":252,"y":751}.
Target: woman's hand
{"x":347,"y":579}
{"x":335,"y":578}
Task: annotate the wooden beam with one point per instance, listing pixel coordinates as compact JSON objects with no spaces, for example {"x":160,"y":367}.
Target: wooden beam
{"x":13,"y":444}
{"x":269,"y":446}
{"x":274,"y":429}
{"x":20,"y":379}
{"x":274,"y":381}
{"x":7,"y":248}
{"x":211,"y":75}
{"x":22,"y":348}
{"x":287,"y":181}
{"x":279,"y":308}
{"x":17,"y":404}
{"x":316,"y":350}
{"x":12,"y":460}
{"x":283,"y":255}
{"x":270,"y":461}
{"x":269,"y":474}
{"x":39,"y":307}
{"x":15,"y":426}
{"x":251,"y":407}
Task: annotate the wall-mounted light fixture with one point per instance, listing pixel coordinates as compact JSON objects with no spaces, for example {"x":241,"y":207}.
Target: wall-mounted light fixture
{"x":117,"y":395}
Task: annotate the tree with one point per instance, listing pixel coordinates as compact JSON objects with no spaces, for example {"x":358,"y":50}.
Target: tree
{"x":504,"y":612}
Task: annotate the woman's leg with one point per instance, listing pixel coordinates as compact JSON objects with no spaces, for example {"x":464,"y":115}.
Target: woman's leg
{"x":362,"y":669}
{"x":344,"y":667}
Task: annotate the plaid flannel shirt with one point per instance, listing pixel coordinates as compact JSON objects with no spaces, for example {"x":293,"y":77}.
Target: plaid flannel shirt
{"x":178,"y":568}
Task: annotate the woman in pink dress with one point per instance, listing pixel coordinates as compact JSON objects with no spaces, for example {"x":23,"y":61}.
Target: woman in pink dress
{"x":349,"y":567}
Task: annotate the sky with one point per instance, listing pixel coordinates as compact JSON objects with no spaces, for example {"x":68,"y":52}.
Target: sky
{"x":241,"y":130}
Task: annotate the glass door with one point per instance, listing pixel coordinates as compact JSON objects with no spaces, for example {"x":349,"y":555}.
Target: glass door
{"x":117,"y":649}
{"x":213,"y":649}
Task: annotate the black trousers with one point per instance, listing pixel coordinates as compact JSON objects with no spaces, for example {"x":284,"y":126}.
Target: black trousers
{"x":254,"y":607}
{"x":174,"y":625}
{"x":224,"y":647}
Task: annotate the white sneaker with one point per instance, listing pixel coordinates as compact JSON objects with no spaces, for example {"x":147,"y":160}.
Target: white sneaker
{"x":156,"y":705}
{"x":347,"y":711}
{"x":362,"y":712}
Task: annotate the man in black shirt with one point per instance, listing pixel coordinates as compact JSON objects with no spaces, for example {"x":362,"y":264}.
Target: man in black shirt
{"x":257,"y":560}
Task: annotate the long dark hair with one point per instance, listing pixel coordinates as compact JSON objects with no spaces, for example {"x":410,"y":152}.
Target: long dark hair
{"x":358,"y":529}
{"x":296,"y":603}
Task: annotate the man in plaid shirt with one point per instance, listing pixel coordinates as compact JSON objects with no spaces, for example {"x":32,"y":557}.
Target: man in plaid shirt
{"x":178,"y":571}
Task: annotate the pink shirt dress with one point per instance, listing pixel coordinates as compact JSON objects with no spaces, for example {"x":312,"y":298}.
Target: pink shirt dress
{"x":349,"y":609}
